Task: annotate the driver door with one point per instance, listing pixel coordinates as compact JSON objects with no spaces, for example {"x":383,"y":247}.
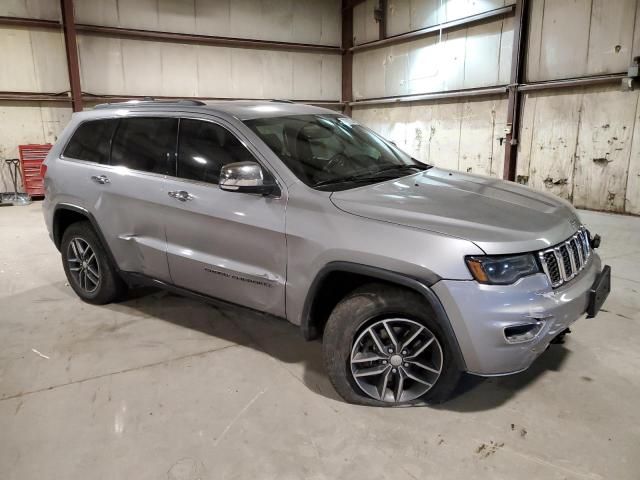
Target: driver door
{"x":226,"y":245}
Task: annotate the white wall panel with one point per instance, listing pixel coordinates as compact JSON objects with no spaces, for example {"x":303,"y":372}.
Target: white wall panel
{"x":214,"y":72}
{"x":580,"y":144}
{"x":632,"y":200}
{"x":474,"y":57}
{"x":33,"y":60}
{"x":27,"y":122}
{"x":331,"y":77}
{"x":212,"y":18}
{"x":571,"y":38}
{"x":424,"y":65}
{"x":276,"y":74}
{"x":92,"y":12}
{"x":604,"y":148}
{"x":179,"y":70}
{"x":41,"y":9}
{"x":101,"y":68}
{"x":303,"y":21}
{"x":426,"y":13}
{"x":456,"y":9}
{"x":365,"y":27}
{"x":177,"y":15}
{"x":142,"y":67}
{"x":15,"y":50}
{"x":307,"y":70}
{"x":398,"y":17}
{"x":50,"y":60}
{"x":506,"y":51}
{"x":409,"y":15}
{"x":112,"y":66}
{"x":611,"y":35}
{"x":246,"y":74}
{"x":142,"y":14}
{"x":450,"y":134}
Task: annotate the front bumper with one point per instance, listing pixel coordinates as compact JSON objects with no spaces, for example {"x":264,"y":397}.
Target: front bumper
{"x":480,"y":313}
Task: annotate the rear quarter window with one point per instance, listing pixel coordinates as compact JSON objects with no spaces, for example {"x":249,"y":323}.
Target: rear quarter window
{"x":91,"y":141}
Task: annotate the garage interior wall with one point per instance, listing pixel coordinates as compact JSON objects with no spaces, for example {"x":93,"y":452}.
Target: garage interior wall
{"x":582,"y":142}
{"x":34,"y":59}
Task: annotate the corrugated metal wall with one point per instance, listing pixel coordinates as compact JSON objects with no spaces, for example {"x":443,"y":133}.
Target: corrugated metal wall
{"x":581,"y":143}
{"x":34,"y":59}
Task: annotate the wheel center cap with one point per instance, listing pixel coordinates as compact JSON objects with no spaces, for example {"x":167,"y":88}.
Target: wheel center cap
{"x":395,"y":360}
{"x":84,"y":264}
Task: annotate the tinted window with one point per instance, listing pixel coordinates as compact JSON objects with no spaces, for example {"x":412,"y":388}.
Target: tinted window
{"x":145,"y":144}
{"x":204,"y":148}
{"x":91,"y":141}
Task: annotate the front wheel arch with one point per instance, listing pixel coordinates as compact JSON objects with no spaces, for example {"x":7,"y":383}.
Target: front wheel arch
{"x":324,"y":294}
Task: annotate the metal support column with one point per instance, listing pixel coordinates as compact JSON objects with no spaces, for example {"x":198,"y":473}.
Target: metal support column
{"x":517,"y":75}
{"x":347,"y":55}
{"x":71,"y":47}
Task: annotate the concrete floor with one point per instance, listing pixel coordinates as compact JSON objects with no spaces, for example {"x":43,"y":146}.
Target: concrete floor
{"x":165,"y":387}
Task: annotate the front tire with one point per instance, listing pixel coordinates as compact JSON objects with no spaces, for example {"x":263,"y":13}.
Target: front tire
{"x":89,"y":270}
{"x":382,"y":346}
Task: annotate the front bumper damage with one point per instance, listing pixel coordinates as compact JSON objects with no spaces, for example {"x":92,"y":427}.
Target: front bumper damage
{"x":484,"y":317}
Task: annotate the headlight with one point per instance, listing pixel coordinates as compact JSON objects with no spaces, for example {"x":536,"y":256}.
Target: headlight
{"x":502,"y":270}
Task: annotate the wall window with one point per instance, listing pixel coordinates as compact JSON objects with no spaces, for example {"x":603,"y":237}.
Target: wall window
{"x":204,"y":147}
{"x":145,"y":144}
{"x":91,"y":141}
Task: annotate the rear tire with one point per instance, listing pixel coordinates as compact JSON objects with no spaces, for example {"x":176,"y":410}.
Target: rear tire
{"x":382,"y":346}
{"x":88,"y":267}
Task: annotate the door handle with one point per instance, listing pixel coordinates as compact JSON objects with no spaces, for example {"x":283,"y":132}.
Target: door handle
{"x":181,"y":195}
{"x":101,"y":179}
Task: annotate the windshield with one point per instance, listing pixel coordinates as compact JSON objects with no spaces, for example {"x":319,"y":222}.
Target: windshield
{"x":333,"y":152}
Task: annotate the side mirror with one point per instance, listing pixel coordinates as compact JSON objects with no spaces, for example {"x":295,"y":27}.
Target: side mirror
{"x":246,"y":177}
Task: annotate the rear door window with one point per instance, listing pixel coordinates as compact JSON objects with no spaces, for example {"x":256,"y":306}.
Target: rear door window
{"x":145,"y":144}
{"x":204,"y":148}
{"x":91,"y":141}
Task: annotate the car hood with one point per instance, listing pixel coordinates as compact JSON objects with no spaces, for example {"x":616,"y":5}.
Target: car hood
{"x":498,"y":216}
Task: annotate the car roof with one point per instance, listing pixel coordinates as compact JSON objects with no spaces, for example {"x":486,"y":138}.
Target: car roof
{"x":241,"y":109}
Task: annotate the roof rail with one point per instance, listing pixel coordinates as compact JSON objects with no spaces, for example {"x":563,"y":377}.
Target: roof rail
{"x":281,"y":101}
{"x":149,"y":101}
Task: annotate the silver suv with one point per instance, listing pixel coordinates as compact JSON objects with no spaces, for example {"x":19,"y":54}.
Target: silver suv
{"x":410,"y":273}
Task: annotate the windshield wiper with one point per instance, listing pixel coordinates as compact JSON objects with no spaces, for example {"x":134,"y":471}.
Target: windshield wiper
{"x":371,"y":176}
{"x":348,"y":179}
{"x":402,"y":168}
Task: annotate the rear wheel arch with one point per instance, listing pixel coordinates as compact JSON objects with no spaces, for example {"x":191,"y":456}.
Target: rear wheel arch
{"x":337,"y":279}
{"x":66,"y":215}
{"x":63,"y":217}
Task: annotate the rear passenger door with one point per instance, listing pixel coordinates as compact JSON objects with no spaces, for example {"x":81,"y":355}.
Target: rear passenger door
{"x":142,"y":153}
{"x":127,"y":192}
{"x":226,"y":245}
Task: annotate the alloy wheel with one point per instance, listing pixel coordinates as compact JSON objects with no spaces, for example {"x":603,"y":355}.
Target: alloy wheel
{"x":83,"y":264}
{"x":396,"y":360}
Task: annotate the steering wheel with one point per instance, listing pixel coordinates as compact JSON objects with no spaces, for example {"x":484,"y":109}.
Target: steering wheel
{"x":338,"y":159}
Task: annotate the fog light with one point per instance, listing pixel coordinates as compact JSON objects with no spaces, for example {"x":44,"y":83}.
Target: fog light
{"x":522,"y":333}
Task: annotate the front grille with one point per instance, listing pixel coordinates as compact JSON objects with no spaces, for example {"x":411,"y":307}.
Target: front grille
{"x":564,"y":261}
